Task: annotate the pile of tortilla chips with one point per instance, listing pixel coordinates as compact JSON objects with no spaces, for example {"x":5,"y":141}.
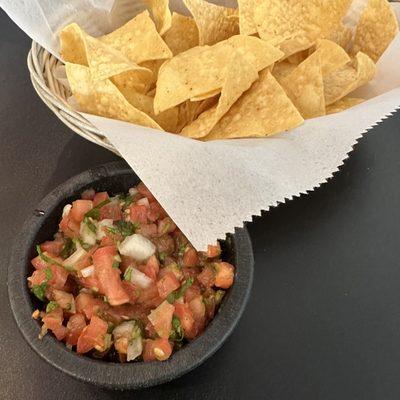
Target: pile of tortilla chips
{"x":228,"y":73}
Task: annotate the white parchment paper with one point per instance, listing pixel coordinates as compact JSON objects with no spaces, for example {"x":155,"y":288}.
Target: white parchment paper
{"x":211,"y":188}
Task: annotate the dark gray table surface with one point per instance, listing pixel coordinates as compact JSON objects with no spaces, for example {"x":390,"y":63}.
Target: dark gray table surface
{"x":323,"y":321}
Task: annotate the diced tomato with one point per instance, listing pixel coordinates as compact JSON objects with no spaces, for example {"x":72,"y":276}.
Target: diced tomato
{"x":76,"y":324}
{"x":142,"y":189}
{"x":161,"y":318}
{"x":209,"y":302}
{"x":53,"y":321}
{"x":148,"y":230}
{"x":64,"y":300}
{"x":190,"y":257}
{"x":184,"y":313}
{"x":109,"y":278}
{"x":38,"y":277}
{"x":213,"y":251}
{"x":180,"y":239}
{"x":224,"y":276}
{"x":59,"y":277}
{"x":92,"y":336}
{"x":38,"y":263}
{"x":152,"y":267}
{"x":88,"y":305}
{"x":91,"y":282}
{"x":138,"y":214}
{"x":69,"y":226}
{"x":126,"y":262}
{"x":166,"y":225}
{"x":124,"y":312}
{"x":106,"y":241}
{"x":207,"y":276}
{"x":167,"y":284}
{"x":111,"y":211}
{"x":155,"y":212}
{"x":79,"y":209}
{"x":198,"y":309}
{"x":88,"y":194}
{"x":99,"y":198}
{"x":54,"y":246}
{"x":192,"y":292}
{"x":60,"y":332}
{"x":149,"y":297}
{"x":158,"y":349}
{"x":87,"y":260}
{"x":131,"y":290}
{"x":165,"y":244}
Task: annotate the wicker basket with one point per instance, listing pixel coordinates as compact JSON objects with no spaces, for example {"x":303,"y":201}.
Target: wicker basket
{"x":41,"y":65}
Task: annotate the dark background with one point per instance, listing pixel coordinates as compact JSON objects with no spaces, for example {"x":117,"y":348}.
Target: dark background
{"x":323,"y":321}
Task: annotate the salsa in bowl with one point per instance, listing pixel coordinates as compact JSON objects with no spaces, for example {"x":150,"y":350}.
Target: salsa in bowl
{"x":104,"y":368}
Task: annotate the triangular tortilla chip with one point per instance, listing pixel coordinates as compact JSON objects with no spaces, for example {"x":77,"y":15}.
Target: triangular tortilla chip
{"x":203,"y":69}
{"x":333,"y":56}
{"x":246,"y":17}
{"x":183,"y":34}
{"x":282,"y":69}
{"x":239,"y":78}
{"x":342,"y":36}
{"x":263,"y":110}
{"x":348,"y":78}
{"x":161,"y":14}
{"x":296,"y":25}
{"x":343,"y":104}
{"x":139,"y":40}
{"x":72,"y":45}
{"x":305,"y":87}
{"x":103,"y":97}
{"x":376,"y":29}
{"x":215,"y":23}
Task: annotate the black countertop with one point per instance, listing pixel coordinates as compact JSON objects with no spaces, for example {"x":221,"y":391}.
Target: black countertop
{"x":323,"y":321}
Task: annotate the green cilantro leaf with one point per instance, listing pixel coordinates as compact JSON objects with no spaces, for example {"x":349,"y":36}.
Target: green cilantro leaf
{"x":68,"y":249}
{"x":50,"y":260}
{"x":115,"y":264}
{"x":90,"y":224}
{"x":48,"y":273}
{"x":176,"y":294}
{"x":176,"y":333}
{"x":128,"y":274}
{"x":95,"y":211}
{"x":52,"y":305}
{"x":39,"y":290}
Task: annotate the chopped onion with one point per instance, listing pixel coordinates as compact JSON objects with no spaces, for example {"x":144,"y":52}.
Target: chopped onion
{"x":133,"y":192}
{"x":135,"y":349}
{"x":76,"y":256}
{"x":87,"y":235}
{"x":137,"y":247}
{"x":140,"y":279}
{"x":88,"y":271}
{"x":66,"y":210}
{"x":104,"y":223}
{"x":143,"y":202}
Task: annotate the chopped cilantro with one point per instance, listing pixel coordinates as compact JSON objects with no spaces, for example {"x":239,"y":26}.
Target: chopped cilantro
{"x":115,"y":264}
{"x":219,"y":295}
{"x":40,"y":290}
{"x":128,"y":274}
{"x":181,"y":250}
{"x":161,"y":256}
{"x":52,"y":305}
{"x":49,"y":260}
{"x":68,"y":249}
{"x":176,"y":333}
{"x":89,"y":223}
{"x":123,"y":228}
{"x":95,"y":211}
{"x":48,"y":273}
{"x":176,"y":294}
{"x":84,"y":245}
{"x":126,"y":199}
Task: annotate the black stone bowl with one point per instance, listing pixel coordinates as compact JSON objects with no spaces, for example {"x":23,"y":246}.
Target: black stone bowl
{"x":116,"y":178}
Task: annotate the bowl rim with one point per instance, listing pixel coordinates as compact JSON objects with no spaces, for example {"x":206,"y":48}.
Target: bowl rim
{"x":108,"y":374}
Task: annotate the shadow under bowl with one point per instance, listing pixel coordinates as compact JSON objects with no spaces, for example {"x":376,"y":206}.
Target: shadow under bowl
{"x":115,"y":178}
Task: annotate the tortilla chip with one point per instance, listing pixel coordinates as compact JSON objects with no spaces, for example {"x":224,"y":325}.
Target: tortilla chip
{"x":72,"y":45}
{"x":305,"y":87}
{"x":343,"y":104}
{"x":203,"y":69}
{"x":103,"y":97}
{"x":215,"y":23}
{"x":298,"y":57}
{"x":376,"y":29}
{"x":154,"y":66}
{"x":139,"y":40}
{"x":282,"y":69}
{"x":333,"y":56}
{"x":348,"y":78}
{"x":183,"y":34}
{"x":161,"y":14}
{"x":341,"y":36}
{"x":262,"y":111}
{"x":240,"y":76}
{"x":246,"y":17}
{"x":207,"y":95}
{"x":295,"y":26}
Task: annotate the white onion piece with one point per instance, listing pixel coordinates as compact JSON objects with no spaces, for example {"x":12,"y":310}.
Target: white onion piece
{"x":87,"y":235}
{"x":104,"y":223}
{"x":138,"y":247}
{"x":143,"y":202}
{"x":66,"y":210}
{"x":140,"y":279}
{"x":135,"y":349}
{"x":88,"y":271}
{"x":133,"y":192}
{"x":76,"y":256}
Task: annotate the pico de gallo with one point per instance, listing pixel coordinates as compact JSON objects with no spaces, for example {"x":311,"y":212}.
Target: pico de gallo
{"x":120,"y":281}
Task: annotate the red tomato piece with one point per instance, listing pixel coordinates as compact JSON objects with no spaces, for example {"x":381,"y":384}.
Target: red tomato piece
{"x":54,"y":246}
{"x":88,"y":305}
{"x":198,"y":309}
{"x":109,"y":278}
{"x":207,"y":277}
{"x":190,"y":257}
{"x":138,"y":214}
{"x":111,"y":211}
{"x":64,"y":300}
{"x":148,"y":230}
{"x":149,"y":297}
{"x":213,"y":251}
{"x":76,"y":324}
{"x":166,"y":225}
{"x":192,"y":292}
{"x":59,"y":277}
{"x":88,"y":194}
{"x":142,"y":189}
{"x":161,"y":318}
{"x":69,"y":226}
{"x":92,"y":336}
{"x":53,"y":321}
{"x":165,"y":244}
{"x":91,"y":282}
{"x":158,"y":349}
{"x":167,"y":284}
{"x":184,"y":313}
{"x":224,"y":276}
{"x":99,"y":198}
{"x":79,"y":209}
{"x":37,"y":278}
{"x":131,"y":290}
{"x":152,"y":268}
{"x":38,"y":263}
{"x":60,"y":333}
{"x":126,"y":262}
{"x":155,"y":211}
{"x":87,"y":259}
